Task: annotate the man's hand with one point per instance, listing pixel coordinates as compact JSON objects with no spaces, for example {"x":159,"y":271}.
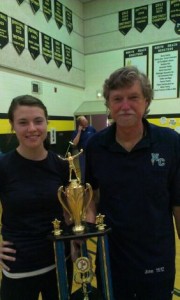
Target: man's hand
{"x":80,"y":127}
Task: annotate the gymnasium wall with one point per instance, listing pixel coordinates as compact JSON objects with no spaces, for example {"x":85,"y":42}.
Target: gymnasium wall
{"x":61,"y":89}
{"x":105,"y":45}
{"x":97,"y":50}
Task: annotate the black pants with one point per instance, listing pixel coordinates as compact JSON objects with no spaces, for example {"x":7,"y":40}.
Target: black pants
{"x":139,"y":290}
{"x":124,"y":289}
{"x":30,"y":288}
{"x":136,"y":288}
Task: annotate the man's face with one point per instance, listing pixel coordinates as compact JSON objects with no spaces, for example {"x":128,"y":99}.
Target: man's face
{"x":84,"y":123}
{"x":127,"y":105}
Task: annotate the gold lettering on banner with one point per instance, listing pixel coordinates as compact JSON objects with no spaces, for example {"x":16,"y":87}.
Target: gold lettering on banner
{"x":159,"y":14}
{"x":3,"y":30}
{"x":18,"y":36}
{"x":47,"y":10}
{"x":58,"y":13}
{"x":34,"y":5}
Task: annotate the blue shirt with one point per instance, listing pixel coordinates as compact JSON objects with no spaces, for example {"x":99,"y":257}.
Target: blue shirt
{"x":85,"y":135}
{"x":137,"y":192}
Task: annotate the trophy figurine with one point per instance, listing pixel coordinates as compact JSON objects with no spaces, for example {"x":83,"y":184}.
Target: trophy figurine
{"x":75,"y":198}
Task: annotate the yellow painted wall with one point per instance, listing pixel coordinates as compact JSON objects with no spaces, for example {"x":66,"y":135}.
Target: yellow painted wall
{"x":59,"y":125}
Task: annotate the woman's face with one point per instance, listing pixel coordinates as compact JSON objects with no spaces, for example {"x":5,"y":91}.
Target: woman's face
{"x":30,"y":126}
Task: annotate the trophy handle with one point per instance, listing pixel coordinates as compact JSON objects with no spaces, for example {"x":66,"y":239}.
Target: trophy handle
{"x":89,"y":190}
{"x":60,"y":193}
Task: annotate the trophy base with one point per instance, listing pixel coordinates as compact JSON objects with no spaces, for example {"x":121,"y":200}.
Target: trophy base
{"x":86,"y":291}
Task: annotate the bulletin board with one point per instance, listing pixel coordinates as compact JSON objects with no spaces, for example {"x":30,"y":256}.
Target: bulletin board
{"x":171,"y":121}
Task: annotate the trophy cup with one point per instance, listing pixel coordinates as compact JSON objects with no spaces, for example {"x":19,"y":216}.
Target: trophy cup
{"x":75,"y":199}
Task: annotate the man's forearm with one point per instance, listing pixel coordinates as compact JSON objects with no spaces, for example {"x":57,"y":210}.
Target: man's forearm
{"x":77,"y":138}
{"x":92,"y":209}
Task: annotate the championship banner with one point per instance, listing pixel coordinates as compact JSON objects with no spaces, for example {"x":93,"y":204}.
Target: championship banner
{"x":141,"y":17}
{"x":4,"y":38}
{"x":68,"y":57}
{"x":20,"y":1}
{"x":58,"y":57}
{"x":175,"y":11}
{"x":46,"y":47}
{"x":35,"y":6}
{"x":58,"y":13}
{"x":33,"y":42}
{"x":68,"y":17}
{"x":177,"y":28}
{"x":47,"y":9}
{"x":18,"y":35}
{"x":175,"y":14}
{"x":159,"y":13}
{"x":125,"y":21}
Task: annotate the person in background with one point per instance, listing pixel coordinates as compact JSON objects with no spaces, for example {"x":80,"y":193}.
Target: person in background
{"x":80,"y":138}
{"x":29,"y":180}
{"x":134,"y":167}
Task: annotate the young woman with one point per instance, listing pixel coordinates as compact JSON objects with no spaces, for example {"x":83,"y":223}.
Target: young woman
{"x":29,"y":179}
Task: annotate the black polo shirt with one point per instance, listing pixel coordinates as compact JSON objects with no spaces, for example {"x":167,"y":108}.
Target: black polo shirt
{"x":137,"y":192}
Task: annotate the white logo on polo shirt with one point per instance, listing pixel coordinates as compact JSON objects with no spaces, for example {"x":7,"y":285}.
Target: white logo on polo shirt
{"x":156,"y":159}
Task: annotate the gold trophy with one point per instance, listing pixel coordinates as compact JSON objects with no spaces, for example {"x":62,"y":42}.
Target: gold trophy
{"x":75,"y":198}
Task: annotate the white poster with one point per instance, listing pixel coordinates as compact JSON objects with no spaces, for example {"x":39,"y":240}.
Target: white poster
{"x":166,"y":70}
{"x":138,"y":58}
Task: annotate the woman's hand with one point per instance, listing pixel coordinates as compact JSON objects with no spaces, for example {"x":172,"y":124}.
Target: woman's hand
{"x":5,"y":254}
